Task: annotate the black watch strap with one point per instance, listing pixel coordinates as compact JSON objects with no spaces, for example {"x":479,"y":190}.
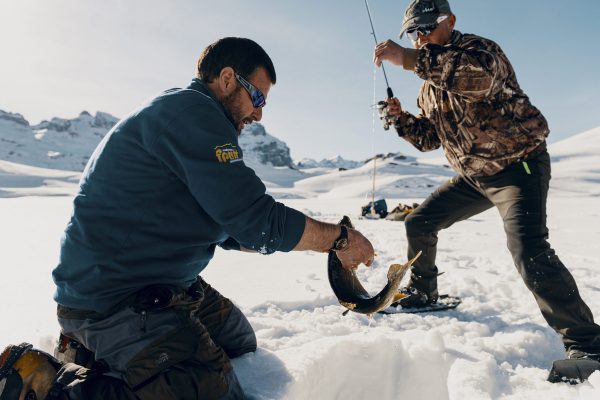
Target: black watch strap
{"x":342,"y":241}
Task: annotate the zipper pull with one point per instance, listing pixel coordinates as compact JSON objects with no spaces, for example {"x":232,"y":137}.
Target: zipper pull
{"x":143,"y":318}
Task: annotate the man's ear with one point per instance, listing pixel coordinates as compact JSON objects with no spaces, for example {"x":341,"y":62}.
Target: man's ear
{"x":227,"y":82}
{"x":451,"y":22}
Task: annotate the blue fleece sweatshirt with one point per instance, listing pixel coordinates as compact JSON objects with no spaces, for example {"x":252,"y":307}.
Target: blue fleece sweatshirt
{"x":164,"y":187}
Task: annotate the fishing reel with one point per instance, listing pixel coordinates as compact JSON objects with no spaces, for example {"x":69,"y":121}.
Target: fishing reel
{"x":384,"y":116}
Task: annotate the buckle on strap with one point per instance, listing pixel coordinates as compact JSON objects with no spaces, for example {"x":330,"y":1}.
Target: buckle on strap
{"x":10,"y":355}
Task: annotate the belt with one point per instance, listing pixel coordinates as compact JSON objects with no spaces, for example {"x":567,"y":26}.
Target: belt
{"x":149,"y":298}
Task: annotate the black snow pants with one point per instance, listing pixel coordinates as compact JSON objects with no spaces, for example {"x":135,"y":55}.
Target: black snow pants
{"x":163,"y":343}
{"x":519,"y":193}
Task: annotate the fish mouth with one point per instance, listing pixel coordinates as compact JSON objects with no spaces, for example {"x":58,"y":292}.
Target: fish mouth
{"x":350,"y":292}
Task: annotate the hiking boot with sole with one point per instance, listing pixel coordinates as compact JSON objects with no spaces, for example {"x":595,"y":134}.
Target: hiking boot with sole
{"x":26,"y":373}
{"x":416,"y":298}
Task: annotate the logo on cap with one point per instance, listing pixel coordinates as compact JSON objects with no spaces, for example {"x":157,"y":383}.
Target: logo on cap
{"x":424,"y":7}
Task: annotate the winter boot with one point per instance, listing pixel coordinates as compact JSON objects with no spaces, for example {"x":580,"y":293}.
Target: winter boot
{"x":415,"y":298}
{"x":27,"y":374}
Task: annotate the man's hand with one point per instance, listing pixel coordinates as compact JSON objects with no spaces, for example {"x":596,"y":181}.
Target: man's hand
{"x":394,"y":109}
{"x":388,"y":50}
{"x":359,"y":250}
{"x":319,"y":236}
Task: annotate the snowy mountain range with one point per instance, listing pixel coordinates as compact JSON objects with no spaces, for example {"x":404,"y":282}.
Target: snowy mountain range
{"x":66,"y":144}
{"x":332,"y":162}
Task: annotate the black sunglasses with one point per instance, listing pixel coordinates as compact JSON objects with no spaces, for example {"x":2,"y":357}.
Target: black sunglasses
{"x":257,"y":97}
{"x":424,"y":30}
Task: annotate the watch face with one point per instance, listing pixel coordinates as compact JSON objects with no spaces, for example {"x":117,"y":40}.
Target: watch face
{"x":340,"y":244}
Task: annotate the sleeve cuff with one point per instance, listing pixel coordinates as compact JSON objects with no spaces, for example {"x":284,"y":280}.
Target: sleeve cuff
{"x":294,"y":228}
{"x":401,"y":121}
{"x":230,"y":244}
{"x":410,"y":59}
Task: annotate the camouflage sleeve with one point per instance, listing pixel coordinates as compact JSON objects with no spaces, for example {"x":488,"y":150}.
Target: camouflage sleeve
{"x":476,"y":70}
{"x":418,"y":131}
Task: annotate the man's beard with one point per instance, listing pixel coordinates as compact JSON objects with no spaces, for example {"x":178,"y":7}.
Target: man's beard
{"x":231,"y":102}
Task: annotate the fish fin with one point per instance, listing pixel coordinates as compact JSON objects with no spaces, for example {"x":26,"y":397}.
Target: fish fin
{"x":412,"y":261}
{"x":399,"y":296}
{"x":349,"y":306}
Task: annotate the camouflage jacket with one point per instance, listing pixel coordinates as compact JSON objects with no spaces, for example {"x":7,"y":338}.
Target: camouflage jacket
{"x":471,"y":105}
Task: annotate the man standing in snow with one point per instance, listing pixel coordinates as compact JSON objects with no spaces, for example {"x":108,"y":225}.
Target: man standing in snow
{"x":165,"y":187}
{"x":495,"y":139}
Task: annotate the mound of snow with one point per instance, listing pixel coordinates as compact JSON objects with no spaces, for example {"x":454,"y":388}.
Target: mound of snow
{"x":575,"y":168}
{"x":396,"y":176}
{"x":18,"y":180}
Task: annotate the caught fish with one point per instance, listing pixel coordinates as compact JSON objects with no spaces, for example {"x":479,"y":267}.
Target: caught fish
{"x":350,"y":292}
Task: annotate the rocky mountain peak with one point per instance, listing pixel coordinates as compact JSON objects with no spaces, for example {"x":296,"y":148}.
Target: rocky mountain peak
{"x":60,"y":143}
{"x":259,"y":146}
{"x":104,"y":120}
{"x":13,"y":117}
{"x":55,"y":124}
{"x":255,"y":129}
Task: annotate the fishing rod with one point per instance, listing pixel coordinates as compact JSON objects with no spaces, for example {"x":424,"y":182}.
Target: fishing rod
{"x":389,"y":89}
{"x":382,"y":109}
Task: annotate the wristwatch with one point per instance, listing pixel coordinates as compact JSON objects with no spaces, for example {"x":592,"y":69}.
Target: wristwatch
{"x":342,"y":241}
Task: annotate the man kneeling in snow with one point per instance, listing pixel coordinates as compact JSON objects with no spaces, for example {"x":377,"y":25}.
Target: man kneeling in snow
{"x":165,"y":187}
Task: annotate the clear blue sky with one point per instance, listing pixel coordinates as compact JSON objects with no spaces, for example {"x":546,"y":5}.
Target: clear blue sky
{"x":60,"y":57}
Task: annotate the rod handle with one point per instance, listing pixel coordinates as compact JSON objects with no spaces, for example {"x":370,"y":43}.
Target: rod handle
{"x":389,"y":92}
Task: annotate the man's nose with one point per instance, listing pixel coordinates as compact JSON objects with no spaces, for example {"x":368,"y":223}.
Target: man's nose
{"x":421,"y":39}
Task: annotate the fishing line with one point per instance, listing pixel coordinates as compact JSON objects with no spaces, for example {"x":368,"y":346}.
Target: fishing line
{"x":389,"y":94}
{"x":373,"y":113}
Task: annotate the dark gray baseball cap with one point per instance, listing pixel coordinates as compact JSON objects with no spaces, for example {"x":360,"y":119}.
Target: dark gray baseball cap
{"x":423,"y":12}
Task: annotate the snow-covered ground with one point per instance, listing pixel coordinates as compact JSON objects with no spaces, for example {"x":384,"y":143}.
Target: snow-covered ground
{"x":17,"y":180}
{"x":495,"y":345}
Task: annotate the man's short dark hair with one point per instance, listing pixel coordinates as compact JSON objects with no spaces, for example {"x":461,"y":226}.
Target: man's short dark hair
{"x":241,"y":54}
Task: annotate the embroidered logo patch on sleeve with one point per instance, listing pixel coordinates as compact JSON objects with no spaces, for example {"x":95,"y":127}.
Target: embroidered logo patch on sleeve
{"x":227,"y":153}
